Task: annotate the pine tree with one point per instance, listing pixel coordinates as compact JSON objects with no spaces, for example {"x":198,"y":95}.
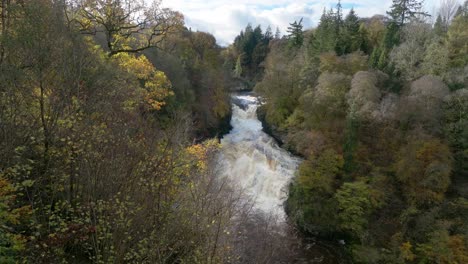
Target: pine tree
{"x":326,"y":35}
{"x":383,"y":60}
{"x":339,"y":14}
{"x":351,"y":27}
{"x":402,"y":10}
{"x":268,"y":35}
{"x":296,"y":36}
{"x":277,"y":33}
{"x":439,"y":29}
{"x":374,"y":58}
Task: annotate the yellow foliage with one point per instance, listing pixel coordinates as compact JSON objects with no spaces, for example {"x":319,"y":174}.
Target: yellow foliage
{"x":140,"y":66}
{"x":406,"y":252}
{"x":200,"y":153}
{"x":156,"y":86}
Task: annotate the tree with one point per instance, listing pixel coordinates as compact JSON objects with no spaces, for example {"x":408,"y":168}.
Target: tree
{"x":277,"y":33}
{"x":356,"y":202}
{"x":252,"y":45}
{"x":457,"y":41}
{"x":424,"y":169}
{"x":349,"y":37}
{"x":325,"y":37}
{"x":155,"y":86}
{"x":128,"y":26}
{"x":268,"y":36}
{"x":238,"y":69}
{"x":424,"y":104}
{"x":348,"y":64}
{"x":439,"y":27}
{"x":4,"y":21}
{"x":319,"y":174}
{"x":403,"y":10}
{"x":447,"y":11}
{"x":328,"y":100}
{"x":408,"y":56}
{"x":296,"y":36}
{"x":364,"y":96}
{"x":352,"y":29}
{"x":456,"y":128}
{"x":436,"y":59}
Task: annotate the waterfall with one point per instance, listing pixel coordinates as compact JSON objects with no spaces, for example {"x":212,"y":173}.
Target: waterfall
{"x":253,"y":160}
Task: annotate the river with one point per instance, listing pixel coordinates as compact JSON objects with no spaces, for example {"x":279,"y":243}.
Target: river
{"x":256,"y":163}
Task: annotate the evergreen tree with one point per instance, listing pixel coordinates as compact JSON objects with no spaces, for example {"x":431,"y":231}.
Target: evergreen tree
{"x":326,"y":36}
{"x":392,"y":36}
{"x":268,"y":36}
{"x":339,"y":15}
{"x":277,"y":33}
{"x":374,"y":58}
{"x":439,"y":29}
{"x":382,"y":63}
{"x":351,"y":33}
{"x":364,"y":44}
{"x":296,"y":35}
{"x":402,"y":10}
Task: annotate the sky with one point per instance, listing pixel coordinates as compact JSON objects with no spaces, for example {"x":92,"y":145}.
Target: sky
{"x":226,"y":18}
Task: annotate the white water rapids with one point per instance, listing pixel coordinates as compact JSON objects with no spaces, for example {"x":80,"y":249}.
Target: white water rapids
{"x":253,"y":160}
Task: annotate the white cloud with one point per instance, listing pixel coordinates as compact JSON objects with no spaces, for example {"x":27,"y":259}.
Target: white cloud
{"x":226,"y":18}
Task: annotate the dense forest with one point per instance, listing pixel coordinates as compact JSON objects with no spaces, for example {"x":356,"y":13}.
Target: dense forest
{"x":110,"y":112}
{"x":378,"y":108}
{"x":104,"y":109}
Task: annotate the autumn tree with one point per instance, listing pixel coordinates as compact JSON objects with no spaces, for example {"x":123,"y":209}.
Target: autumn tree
{"x":128,"y":26}
{"x":424,"y":168}
{"x":364,"y":96}
{"x":327,"y":99}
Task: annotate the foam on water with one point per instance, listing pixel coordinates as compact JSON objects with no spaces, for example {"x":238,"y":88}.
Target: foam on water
{"x":252,"y":159}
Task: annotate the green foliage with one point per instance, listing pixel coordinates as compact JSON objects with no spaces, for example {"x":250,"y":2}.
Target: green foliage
{"x":404,"y":10}
{"x":327,"y":101}
{"x":443,"y":248}
{"x":409,"y":55}
{"x":385,"y":152}
{"x":439,"y":26}
{"x":11,"y":243}
{"x":311,"y":200}
{"x":356,"y":203}
{"x":296,"y":35}
{"x":348,"y":64}
{"x":252,"y":45}
{"x":436,"y":59}
{"x":319,"y":174}
{"x":457,"y":37}
{"x":456,"y":128}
